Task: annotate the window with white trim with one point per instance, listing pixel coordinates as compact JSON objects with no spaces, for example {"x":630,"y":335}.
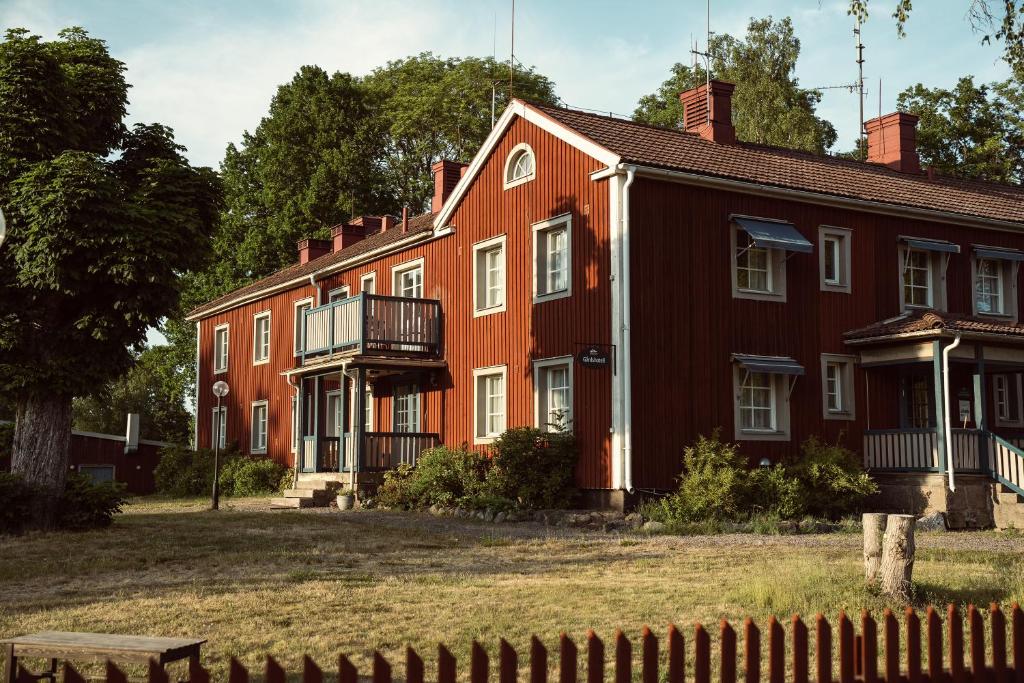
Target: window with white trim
{"x":407,"y":279}
{"x":258,"y":428}
{"x":220,"y":348}
{"x":834,"y":258}
{"x":368,"y":283}
{"x":219,"y":428}
{"x":994,"y":289}
{"x":333,"y":415}
{"x":368,"y":410}
{"x":552,"y":258}
{"x":1008,"y":399}
{"x":300,"y":308}
{"x":261,"y":338}
{"x":757,"y":272}
{"x":520,"y":166}
{"x":337,"y":294}
{"x":761,"y":404}
{"x":489,"y":403}
{"x":489,"y":276}
{"x":552,"y":393}
{"x":917,"y":278}
{"x":837,"y":386}
{"x":406,"y":416}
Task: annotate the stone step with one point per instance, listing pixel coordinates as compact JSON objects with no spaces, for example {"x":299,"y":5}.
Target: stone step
{"x":1008,"y":516}
{"x":322,"y":476}
{"x":302,"y":493}
{"x":291,"y":503}
{"x":1009,"y":498}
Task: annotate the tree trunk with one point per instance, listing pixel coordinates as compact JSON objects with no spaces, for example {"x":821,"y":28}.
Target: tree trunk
{"x":41,"y":451}
{"x":897,"y":567}
{"x":874,"y":527}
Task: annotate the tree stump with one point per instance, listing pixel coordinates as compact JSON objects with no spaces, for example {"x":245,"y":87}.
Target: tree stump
{"x":874,"y":527}
{"x":897,"y":567}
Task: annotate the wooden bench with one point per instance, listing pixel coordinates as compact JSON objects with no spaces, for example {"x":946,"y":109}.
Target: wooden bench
{"x":55,"y":645}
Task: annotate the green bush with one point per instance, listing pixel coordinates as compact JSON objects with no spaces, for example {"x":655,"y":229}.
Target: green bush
{"x":445,"y":476}
{"x":89,"y":505}
{"x":534,"y":467}
{"x":713,"y":485}
{"x":834,"y":483}
{"x":16,"y":495}
{"x":251,"y":476}
{"x":775,"y":492}
{"x":183,"y":472}
{"x":395,"y":491}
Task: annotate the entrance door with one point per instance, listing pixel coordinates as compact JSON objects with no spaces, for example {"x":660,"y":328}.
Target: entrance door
{"x":917,"y":401}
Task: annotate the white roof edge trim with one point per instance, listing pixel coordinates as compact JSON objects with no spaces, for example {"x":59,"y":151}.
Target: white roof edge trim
{"x":536,"y":117}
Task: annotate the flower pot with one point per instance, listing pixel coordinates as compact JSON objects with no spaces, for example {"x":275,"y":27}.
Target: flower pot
{"x":346,"y":501}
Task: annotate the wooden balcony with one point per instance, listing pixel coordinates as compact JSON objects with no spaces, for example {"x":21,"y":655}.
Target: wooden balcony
{"x":373,"y":325}
{"x":381,"y":451}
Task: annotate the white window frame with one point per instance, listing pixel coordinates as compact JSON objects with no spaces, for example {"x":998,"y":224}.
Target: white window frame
{"x":929,"y":270}
{"x":1007,"y":284}
{"x":1011,"y":384}
{"x":398,"y":270}
{"x":480,"y":275}
{"x":219,"y":427}
{"x":776,"y":264}
{"x":481,"y":435}
{"x":219,"y":369}
{"x":343,"y":289}
{"x":367,"y":408}
{"x":847,"y":392}
{"x":338,"y":418}
{"x":413,"y":393}
{"x":842,"y":237}
{"x":780,"y":412}
{"x":512,"y":157}
{"x":257,"y":343}
{"x":254,"y":447}
{"x":541,"y":392}
{"x":370,"y":277}
{"x":297,"y":323}
{"x":938,"y":262}
{"x":541,"y":231}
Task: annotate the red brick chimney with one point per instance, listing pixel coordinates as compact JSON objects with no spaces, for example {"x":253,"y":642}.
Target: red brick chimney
{"x":697,"y":106}
{"x":345,"y":235}
{"x":387,"y":222}
{"x":312,"y":249}
{"x":446,"y":176}
{"x":892,"y":142}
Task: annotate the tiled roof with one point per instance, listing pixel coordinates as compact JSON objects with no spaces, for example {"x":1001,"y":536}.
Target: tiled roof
{"x":925,"y":321}
{"x":669,"y":149}
{"x":417,"y":224}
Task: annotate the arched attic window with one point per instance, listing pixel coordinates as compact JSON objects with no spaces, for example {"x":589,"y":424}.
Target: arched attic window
{"x":519,"y":167}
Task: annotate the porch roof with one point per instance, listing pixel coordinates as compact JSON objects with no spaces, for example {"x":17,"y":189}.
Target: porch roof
{"x":917,"y":324}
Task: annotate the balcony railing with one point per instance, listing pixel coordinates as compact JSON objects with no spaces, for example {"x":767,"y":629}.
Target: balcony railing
{"x":381,"y":451}
{"x":371,"y":323}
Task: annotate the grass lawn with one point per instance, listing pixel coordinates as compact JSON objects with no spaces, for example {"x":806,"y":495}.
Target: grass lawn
{"x":256,"y":582}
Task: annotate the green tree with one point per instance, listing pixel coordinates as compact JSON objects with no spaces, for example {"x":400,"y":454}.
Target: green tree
{"x":768,"y":107}
{"x":101,"y":223}
{"x":436,"y":108}
{"x":970,"y":131}
{"x":151,"y":388}
{"x":1002,"y":20}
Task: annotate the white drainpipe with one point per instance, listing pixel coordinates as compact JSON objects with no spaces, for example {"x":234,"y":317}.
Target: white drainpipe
{"x":312,"y":281}
{"x":627,"y":373}
{"x":947,"y":423}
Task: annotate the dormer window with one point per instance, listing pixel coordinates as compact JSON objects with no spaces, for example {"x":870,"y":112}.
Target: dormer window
{"x":519,"y":167}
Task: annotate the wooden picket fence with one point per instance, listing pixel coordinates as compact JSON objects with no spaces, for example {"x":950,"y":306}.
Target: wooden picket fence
{"x":926,"y":661}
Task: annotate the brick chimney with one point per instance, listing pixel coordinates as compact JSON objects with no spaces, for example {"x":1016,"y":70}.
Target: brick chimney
{"x":446,"y":176}
{"x":892,"y":142}
{"x":345,"y":235}
{"x":387,"y":222}
{"x":312,"y":249}
{"x":718,"y":127}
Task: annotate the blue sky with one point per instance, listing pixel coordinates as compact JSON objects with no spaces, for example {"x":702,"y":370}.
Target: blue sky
{"x":209,"y":69}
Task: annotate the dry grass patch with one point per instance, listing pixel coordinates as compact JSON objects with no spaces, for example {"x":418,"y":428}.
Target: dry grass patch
{"x":284,"y":583}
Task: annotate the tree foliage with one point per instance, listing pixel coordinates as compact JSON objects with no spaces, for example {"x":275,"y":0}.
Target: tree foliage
{"x":970,"y":131}
{"x":102,"y":221}
{"x":768,"y":106}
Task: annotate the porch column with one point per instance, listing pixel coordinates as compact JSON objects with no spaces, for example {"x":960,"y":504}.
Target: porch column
{"x":343,"y":398}
{"x":300,"y":425}
{"x":980,"y":421}
{"x":359,"y":410}
{"x":316,"y":423}
{"x":940,"y":404}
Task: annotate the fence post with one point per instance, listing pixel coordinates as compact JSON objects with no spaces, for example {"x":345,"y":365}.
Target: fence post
{"x":846,"y":653}
{"x":823,"y":648}
{"x":346,"y":671}
{"x":998,"y":642}
{"x":567,"y":659}
{"x":701,"y":655}
{"x":538,"y":661}
{"x":977,"y":643}
{"x":595,"y":658}
{"x":112,"y":674}
{"x":311,"y":673}
{"x":274,"y":672}
{"x":727,"y":637}
{"x":913,"y":624}
{"x":623,"y":659}
{"x":934,"y":627}
{"x":413,"y":666}
{"x":508,"y":663}
{"x":478,"y":664}
{"x":801,"y":658}
{"x":649,"y":648}
{"x":237,"y":673}
{"x":956,"y":644}
{"x":751,"y":651}
{"x":676,"y":655}
{"x":381,"y":669}
{"x":891,"y":639}
{"x":869,"y":651}
{"x":1017,"y":616}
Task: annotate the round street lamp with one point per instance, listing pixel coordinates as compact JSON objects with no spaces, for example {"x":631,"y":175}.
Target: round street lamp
{"x":220,"y":390}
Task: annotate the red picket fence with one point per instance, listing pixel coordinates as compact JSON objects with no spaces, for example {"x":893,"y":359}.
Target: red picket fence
{"x":858,"y":656}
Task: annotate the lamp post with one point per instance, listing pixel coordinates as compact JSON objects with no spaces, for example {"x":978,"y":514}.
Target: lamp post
{"x":220,"y":390}
{"x":3,"y":227}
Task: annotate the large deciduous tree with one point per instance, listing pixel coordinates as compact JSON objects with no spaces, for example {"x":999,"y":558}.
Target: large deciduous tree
{"x":970,"y":131}
{"x":768,"y":107}
{"x":101,"y":223}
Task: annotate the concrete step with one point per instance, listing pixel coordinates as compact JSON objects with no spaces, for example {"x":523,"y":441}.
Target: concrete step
{"x":291,"y":503}
{"x":322,"y":476}
{"x":302,"y":493}
{"x":1008,"y":516}
{"x":1009,"y":498}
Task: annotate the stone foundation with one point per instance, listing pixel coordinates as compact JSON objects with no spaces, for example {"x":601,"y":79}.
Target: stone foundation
{"x":970,"y":507}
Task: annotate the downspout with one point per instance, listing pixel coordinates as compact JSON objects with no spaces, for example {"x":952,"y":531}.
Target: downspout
{"x":945,"y":410}
{"x":319,"y":294}
{"x":297,"y":417}
{"x":195,"y":412}
{"x":627,"y":372}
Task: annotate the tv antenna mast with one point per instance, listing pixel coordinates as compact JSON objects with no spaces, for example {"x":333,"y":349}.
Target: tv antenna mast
{"x":706,"y":55}
{"x":858,"y":85}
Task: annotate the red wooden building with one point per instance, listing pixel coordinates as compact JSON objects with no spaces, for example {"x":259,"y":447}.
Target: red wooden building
{"x":645,"y":285}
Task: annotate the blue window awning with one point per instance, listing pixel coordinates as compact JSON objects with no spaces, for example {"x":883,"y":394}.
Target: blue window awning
{"x":998,"y":254}
{"x":931,"y":245}
{"x":773,"y":365}
{"x":774,"y":235}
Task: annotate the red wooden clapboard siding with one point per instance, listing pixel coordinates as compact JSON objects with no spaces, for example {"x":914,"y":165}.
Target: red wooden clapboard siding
{"x":135,"y":470}
{"x":685,"y":323}
{"x":522,"y":333}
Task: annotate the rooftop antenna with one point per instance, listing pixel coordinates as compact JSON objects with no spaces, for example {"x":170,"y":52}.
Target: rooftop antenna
{"x":512,"y":57}
{"x":695,"y":51}
{"x":860,"y":80}
{"x":494,"y":58}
